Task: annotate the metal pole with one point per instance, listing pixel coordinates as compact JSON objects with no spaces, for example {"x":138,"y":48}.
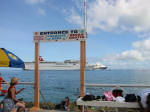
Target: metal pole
{"x":85,"y":28}
{"x":85,"y":16}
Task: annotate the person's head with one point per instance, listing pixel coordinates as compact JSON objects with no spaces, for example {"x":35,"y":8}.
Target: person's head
{"x":14,"y":81}
{"x":67,"y":98}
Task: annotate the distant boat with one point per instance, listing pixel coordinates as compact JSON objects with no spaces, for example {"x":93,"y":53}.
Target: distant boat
{"x":66,"y":65}
{"x":95,"y":66}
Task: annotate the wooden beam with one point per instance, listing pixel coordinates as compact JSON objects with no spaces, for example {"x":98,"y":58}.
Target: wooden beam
{"x":82,"y":67}
{"x":36,"y":91}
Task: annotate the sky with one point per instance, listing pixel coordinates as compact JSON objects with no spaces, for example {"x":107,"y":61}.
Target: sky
{"x":118,"y":30}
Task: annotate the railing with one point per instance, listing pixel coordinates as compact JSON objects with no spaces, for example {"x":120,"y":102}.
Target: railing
{"x":25,"y":83}
{"x":118,"y":85}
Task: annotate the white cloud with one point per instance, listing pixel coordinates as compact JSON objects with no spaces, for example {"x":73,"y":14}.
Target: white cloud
{"x":107,"y":15}
{"x":79,"y":4}
{"x":131,"y":55}
{"x":137,"y":56}
{"x":144,"y":35}
{"x":142,"y":45}
{"x":41,"y":12}
{"x":34,"y":1}
{"x":75,"y":18}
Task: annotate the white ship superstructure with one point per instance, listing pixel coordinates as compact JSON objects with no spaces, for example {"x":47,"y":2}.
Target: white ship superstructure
{"x":66,"y":65}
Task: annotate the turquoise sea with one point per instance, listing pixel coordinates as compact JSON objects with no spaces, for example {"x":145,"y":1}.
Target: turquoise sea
{"x":56,"y":85}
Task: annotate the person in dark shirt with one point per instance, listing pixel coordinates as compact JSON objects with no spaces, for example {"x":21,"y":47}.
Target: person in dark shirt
{"x":142,"y":108}
{"x":67,"y":103}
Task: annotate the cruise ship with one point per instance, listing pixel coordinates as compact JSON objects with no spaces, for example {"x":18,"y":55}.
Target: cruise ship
{"x":66,"y":65}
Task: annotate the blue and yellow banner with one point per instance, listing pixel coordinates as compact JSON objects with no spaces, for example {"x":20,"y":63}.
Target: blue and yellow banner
{"x":8,"y":59}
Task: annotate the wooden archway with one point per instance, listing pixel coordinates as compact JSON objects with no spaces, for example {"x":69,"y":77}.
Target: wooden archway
{"x":68,"y":35}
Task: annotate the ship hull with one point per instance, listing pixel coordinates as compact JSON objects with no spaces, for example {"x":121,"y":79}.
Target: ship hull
{"x":60,"y":66}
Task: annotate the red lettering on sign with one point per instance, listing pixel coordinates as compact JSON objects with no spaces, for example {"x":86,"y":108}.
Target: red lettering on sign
{"x":76,"y":36}
{"x":35,"y":33}
{"x":38,"y":37}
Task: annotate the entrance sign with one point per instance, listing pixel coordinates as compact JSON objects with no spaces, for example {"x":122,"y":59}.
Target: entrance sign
{"x":58,"y":36}
{"x":62,"y":35}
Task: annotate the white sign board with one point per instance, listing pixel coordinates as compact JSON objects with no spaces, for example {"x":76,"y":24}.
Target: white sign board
{"x":57,"y":36}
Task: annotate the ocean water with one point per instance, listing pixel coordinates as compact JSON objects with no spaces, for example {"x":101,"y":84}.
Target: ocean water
{"x":56,"y":85}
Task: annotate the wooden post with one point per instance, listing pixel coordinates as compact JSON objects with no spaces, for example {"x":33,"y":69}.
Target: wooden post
{"x":36,"y":83}
{"x":82,"y":67}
